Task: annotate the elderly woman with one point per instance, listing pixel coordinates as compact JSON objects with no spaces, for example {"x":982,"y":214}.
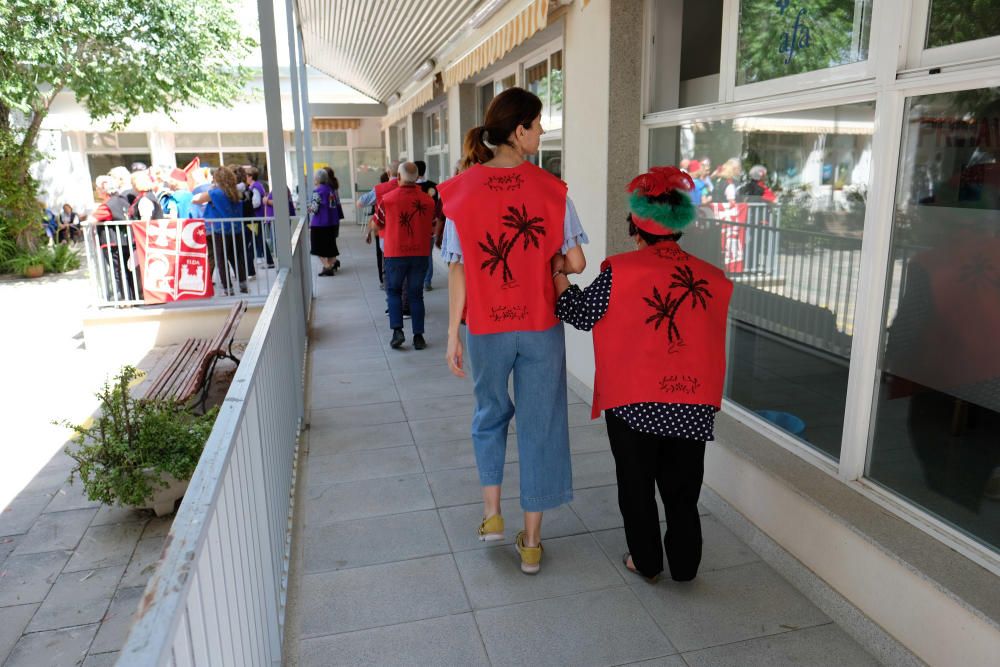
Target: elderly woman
{"x":324,"y":223}
{"x":659,"y":321}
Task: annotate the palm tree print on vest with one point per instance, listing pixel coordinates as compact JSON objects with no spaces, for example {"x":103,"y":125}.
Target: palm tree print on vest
{"x":527,"y":229}
{"x":406,"y":222}
{"x":665,"y":308}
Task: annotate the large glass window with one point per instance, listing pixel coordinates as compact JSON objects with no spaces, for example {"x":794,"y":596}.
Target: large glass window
{"x":686,"y":53}
{"x":369,"y":163}
{"x":936,"y":438}
{"x":783,"y":37}
{"x":781,"y":210}
{"x":954,"y":21}
{"x":205,"y":158}
{"x":340,"y":161}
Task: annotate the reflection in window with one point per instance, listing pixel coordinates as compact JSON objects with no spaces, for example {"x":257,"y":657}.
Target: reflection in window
{"x":369,"y":163}
{"x":205,"y":158}
{"x":937,"y":429}
{"x":242,"y":158}
{"x":340,"y":161}
{"x":781,"y":209}
{"x":794,"y":36}
{"x":954,"y":21}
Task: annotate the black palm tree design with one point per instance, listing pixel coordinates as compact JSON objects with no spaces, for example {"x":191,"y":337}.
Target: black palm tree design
{"x":665,"y":308}
{"x":406,"y":222}
{"x":419,"y":207}
{"x":684,"y":279}
{"x":497,"y":252}
{"x":528,"y":229}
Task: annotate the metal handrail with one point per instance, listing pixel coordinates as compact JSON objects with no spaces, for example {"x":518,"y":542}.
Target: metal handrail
{"x":217,"y":596}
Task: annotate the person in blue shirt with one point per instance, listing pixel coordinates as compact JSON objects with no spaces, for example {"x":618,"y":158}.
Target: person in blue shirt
{"x":223,"y":222}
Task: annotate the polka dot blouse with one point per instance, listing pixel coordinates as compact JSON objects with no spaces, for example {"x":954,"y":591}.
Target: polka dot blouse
{"x":582,"y":309}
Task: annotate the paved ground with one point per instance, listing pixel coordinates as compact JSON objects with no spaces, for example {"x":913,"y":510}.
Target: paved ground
{"x":72,"y":570}
{"x":392,"y":572}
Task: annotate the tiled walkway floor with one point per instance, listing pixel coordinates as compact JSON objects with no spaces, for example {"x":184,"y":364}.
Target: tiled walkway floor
{"x":392,"y":572}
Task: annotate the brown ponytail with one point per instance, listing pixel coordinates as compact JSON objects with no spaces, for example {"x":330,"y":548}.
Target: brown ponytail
{"x":510,"y":109}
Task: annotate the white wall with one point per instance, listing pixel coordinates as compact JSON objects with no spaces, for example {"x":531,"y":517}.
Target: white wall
{"x":585,"y":146}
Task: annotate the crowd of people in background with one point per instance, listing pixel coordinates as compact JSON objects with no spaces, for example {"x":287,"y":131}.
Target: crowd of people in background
{"x":236,"y":205}
{"x":726,"y":183}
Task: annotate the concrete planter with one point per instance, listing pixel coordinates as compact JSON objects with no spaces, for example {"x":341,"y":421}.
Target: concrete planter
{"x":162,"y":502}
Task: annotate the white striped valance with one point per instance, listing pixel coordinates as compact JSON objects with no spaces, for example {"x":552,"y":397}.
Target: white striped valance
{"x":500,"y":43}
{"x":336,"y":123}
{"x":418,"y":99}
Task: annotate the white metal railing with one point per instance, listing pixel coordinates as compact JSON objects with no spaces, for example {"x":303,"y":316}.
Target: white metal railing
{"x":241,"y":259}
{"x":218,"y":594}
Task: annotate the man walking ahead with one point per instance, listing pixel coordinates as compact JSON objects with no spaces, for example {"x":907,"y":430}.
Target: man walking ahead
{"x":405,"y":218}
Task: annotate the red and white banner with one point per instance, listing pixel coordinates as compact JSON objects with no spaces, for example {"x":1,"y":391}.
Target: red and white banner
{"x":172,"y":256}
{"x":734,"y":237}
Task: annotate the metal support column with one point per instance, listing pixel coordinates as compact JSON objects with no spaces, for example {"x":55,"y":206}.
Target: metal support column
{"x":293,"y":61}
{"x":306,"y":113}
{"x":275,"y":132}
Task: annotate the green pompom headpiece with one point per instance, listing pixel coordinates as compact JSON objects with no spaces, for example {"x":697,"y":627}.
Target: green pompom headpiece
{"x":660,"y":203}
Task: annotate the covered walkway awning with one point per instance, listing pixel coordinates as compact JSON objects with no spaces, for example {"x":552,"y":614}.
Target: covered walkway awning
{"x":377,"y":47}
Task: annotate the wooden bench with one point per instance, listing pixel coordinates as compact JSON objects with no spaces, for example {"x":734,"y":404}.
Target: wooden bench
{"x":191,"y":367}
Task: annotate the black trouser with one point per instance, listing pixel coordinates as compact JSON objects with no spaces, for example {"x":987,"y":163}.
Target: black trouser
{"x":378,"y":260}
{"x":228,"y":249}
{"x":675,"y":465}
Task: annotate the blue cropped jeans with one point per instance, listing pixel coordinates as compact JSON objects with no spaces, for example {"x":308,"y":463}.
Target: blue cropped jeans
{"x":537,"y":360}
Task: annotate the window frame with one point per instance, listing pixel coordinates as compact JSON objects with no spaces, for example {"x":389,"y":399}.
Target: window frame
{"x":889,"y":80}
{"x":959,"y":53}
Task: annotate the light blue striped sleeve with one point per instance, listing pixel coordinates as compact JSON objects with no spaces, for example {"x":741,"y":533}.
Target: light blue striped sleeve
{"x":573,"y":232}
{"x":451,"y":249}
{"x":367,"y":199}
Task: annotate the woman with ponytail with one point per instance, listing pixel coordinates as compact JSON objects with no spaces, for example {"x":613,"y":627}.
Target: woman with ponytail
{"x":506,"y":219}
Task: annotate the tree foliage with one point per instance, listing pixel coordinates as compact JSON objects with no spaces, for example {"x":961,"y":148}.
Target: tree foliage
{"x":954,"y":21}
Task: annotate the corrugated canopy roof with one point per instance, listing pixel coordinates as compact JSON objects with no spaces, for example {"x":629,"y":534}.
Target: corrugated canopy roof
{"x":375,"y":46}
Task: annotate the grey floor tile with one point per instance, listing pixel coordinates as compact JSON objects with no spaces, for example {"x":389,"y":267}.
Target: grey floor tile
{"x":13,"y":620}
{"x":115,"y":626}
{"x":143,"y":564}
{"x":823,"y":646}
{"x":334,"y":439}
{"x":104,"y":546}
{"x":461,"y":486}
{"x":667,"y":661}
{"x":77,"y":598}
{"x":54,"y":531}
{"x":322,"y":384}
{"x":593,"y":438}
{"x":28,"y":578}
{"x":383,"y":539}
{"x":364,"y":464}
{"x":20,"y":515}
{"x":380,"y":595}
{"x":726,"y":606}
{"x":71,"y":497}
{"x":53,"y":648}
{"x":350,"y":396}
{"x":361,"y":415}
{"x":720,"y":548}
{"x":7,"y":545}
{"x":450,"y":640}
{"x":593,"y":469}
{"x":458,"y":454}
{"x":579,"y":415}
{"x":340,"y":364}
{"x":570,"y":565}
{"x":358,"y":500}
{"x":101,"y":660}
{"x":114,"y":514}
{"x":597,"y":507}
{"x":460,"y":523}
{"x":441,"y":429}
{"x":158,"y":527}
{"x":607,"y":627}
{"x":441,"y":388}
{"x":429,"y":408}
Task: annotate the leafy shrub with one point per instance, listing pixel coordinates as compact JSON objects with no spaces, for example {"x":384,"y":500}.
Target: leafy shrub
{"x":20,"y":262}
{"x":62,"y":258}
{"x":133,"y":444}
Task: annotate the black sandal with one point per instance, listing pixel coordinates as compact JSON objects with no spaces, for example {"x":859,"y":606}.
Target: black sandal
{"x":648,"y":580}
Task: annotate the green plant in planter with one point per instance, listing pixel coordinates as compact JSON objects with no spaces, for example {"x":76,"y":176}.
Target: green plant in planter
{"x":62,"y":258}
{"x":126,"y":452}
{"x":20,"y":262}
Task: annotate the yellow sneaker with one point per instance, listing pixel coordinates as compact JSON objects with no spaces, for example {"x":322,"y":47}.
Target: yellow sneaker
{"x":531,"y":557}
{"x":491,"y":529}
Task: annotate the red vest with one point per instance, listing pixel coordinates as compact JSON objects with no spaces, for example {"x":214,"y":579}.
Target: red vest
{"x":381,"y":190}
{"x":663,"y":337}
{"x":409,"y":221}
{"x":509,"y":224}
